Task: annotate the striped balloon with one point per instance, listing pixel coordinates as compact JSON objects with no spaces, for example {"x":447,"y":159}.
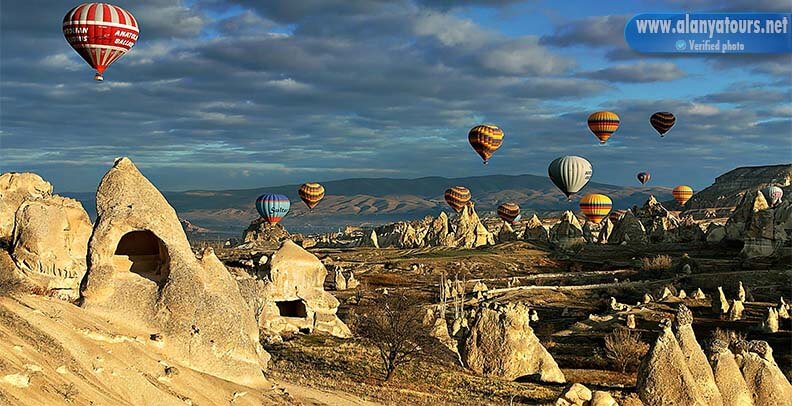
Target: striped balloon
{"x":101,"y":33}
{"x":603,"y":124}
{"x":457,"y":197}
{"x":682,"y":194}
{"x":570,"y":173}
{"x":616,"y":215}
{"x":643,"y":177}
{"x":595,"y":206}
{"x":509,"y":212}
{"x":662,"y":121}
{"x":773,"y":194}
{"x":485,"y":139}
{"x":273,"y":207}
{"x":311,"y":194}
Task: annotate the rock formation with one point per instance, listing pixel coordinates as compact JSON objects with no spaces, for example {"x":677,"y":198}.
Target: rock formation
{"x":727,"y":375}
{"x":628,"y":230}
{"x":15,"y":188}
{"x":658,"y":223}
{"x":352,"y":283}
{"x":506,"y":233}
{"x":736,"y":310}
{"x":575,"y":394}
{"x":688,"y":231}
{"x":606,"y":229}
{"x":50,"y":243}
{"x":501,"y":343}
{"x":567,"y":233}
{"x":464,"y":231}
{"x":339,"y":281}
{"x":765,"y":381}
{"x":699,"y":294}
{"x":695,"y":358}
{"x":729,"y":187}
{"x":740,"y":292}
{"x":535,"y":231}
{"x":770,"y":323}
{"x":143,"y":272}
{"x":630,"y":323}
{"x":720,"y":305}
{"x":601,"y":398}
{"x":742,"y":216}
{"x":664,"y":377}
{"x":764,"y":231}
{"x":715,"y":233}
{"x":265,"y":234}
{"x":783,"y":309}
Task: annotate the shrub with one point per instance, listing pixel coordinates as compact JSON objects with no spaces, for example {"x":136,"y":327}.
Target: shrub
{"x":625,"y":349}
{"x":9,"y":286}
{"x":727,"y":336}
{"x":658,"y":263}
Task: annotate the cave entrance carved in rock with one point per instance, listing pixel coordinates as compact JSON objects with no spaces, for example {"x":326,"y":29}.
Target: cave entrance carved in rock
{"x":143,"y":253}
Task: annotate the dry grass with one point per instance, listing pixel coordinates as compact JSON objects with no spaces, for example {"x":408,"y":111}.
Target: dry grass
{"x":658,"y":263}
{"x":625,"y":349}
{"x":9,"y":286}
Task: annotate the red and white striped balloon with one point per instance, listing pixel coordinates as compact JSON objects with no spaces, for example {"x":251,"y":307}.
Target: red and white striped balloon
{"x":101,"y":33}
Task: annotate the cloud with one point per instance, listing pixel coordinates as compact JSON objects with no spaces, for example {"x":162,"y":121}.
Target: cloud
{"x":597,"y":31}
{"x":641,"y":72}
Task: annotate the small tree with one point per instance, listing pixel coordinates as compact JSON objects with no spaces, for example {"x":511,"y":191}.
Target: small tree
{"x":625,"y":349}
{"x":394,"y":324}
{"x":658,"y":263}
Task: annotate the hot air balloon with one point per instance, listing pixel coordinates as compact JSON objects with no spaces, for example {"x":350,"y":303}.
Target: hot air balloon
{"x":101,"y":33}
{"x":682,"y":194}
{"x":509,"y":212}
{"x":272,"y":207}
{"x":662,"y":121}
{"x":485,"y":139}
{"x":643,"y":177}
{"x":773,"y":194}
{"x":616,"y":215}
{"x":603,"y":124}
{"x":457,"y":197}
{"x":570,"y":174}
{"x":595,"y":206}
{"x":311,"y":194}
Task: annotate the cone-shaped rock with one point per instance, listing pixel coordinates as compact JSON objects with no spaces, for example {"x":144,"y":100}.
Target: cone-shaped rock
{"x":664,"y":377}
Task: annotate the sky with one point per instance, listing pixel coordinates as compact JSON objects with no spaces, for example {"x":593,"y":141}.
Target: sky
{"x":228,"y":94}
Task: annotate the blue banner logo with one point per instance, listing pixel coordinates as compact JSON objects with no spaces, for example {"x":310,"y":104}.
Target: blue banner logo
{"x":742,"y":33}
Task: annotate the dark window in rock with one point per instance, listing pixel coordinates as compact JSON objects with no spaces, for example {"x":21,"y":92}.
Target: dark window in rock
{"x":143,"y":253}
{"x":292,"y":308}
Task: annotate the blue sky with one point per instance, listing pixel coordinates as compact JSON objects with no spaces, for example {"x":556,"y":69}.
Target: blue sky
{"x":224,"y":94}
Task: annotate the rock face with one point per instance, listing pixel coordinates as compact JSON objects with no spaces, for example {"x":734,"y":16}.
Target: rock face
{"x":567,"y":233}
{"x":142,"y":272}
{"x":730,"y":382}
{"x":731,"y":186}
{"x":764,"y":231}
{"x":50,"y":243}
{"x":535,"y":231}
{"x":268,"y":235}
{"x":293,"y":297}
{"x":695,"y":358}
{"x":658,"y":223}
{"x":664,"y":377}
{"x":606,"y":229}
{"x":688,"y":231}
{"x":501,"y":343}
{"x":15,"y":188}
{"x":506,"y":233}
{"x":628,"y":230}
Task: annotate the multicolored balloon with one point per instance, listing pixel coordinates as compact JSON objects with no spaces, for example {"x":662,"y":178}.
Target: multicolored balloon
{"x":485,"y":139}
{"x":595,"y":206}
{"x":457,"y":197}
{"x":570,"y":174}
{"x":603,"y":124}
{"x":311,"y":194}
{"x":662,"y":121}
{"x":643,"y":177}
{"x":509,"y":212}
{"x":101,"y":33}
{"x":272,"y":207}
{"x":773,"y":194}
{"x":682,"y":194}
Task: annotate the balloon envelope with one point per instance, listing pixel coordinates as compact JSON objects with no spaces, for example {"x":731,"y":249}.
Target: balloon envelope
{"x":485,"y":140}
{"x":662,"y":121}
{"x":311,"y":194}
{"x":273,"y":207}
{"x":595,"y":206}
{"x":457,"y":197}
{"x":773,"y":194}
{"x":643,"y":177}
{"x":101,"y":33}
{"x":570,"y":173}
{"x":682,"y":194}
{"x":603,"y":124}
{"x":509,"y":212}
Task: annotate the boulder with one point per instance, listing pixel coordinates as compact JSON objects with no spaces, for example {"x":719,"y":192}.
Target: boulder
{"x":766,"y":382}
{"x":294,"y":298}
{"x":15,"y":188}
{"x":50,"y":243}
{"x":535,"y":231}
{"x":142,"y":272}
{"x":731,"y":385}
{"x":601,"y":398}
{"x":501,"y":343}
{"x":567,"y":233}
{"x":664,"y":377}
{"x":695,"y":358}
{"x":576,"y":394}
{"x":629,"y":230}
{"x":265,"y":234}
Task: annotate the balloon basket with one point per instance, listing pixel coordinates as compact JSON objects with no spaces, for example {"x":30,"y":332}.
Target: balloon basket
{"x":98,"y":77}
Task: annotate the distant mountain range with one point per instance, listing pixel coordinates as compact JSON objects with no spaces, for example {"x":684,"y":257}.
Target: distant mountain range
{"x":380,"y":200}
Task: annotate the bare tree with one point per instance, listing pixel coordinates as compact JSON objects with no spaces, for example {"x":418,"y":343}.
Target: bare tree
{"x":394,"y":324}
{"x":625,"y":348}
